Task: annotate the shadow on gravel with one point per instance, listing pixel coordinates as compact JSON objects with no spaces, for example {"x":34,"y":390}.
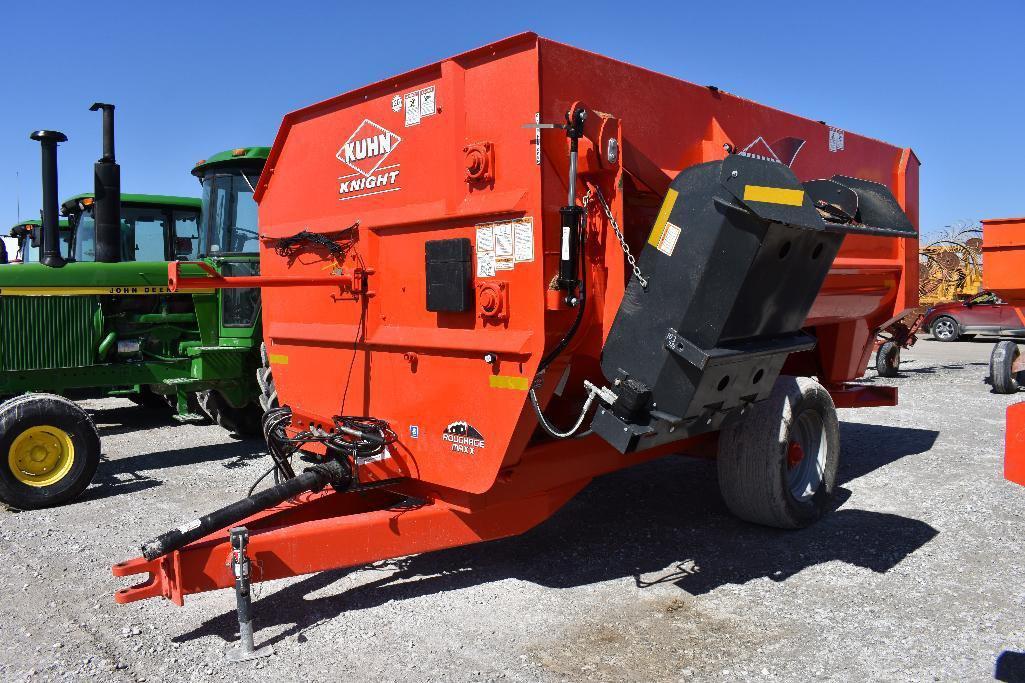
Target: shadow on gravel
{"x":130,"y":418}
{"x":657,"y":523}
{"x":1010,"y":667}
{"x":125,"y":475}
{"x":867,"y":447}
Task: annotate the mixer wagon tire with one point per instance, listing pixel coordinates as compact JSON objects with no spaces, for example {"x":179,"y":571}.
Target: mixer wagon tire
{"x":778,"y":462}
{"x":1002,"y":362}
{"x":244,"y":421}
{"x":49,"y":451}
{"x":265,"y":378}
{"x":888,"y":360}
{"x":946,"y":329}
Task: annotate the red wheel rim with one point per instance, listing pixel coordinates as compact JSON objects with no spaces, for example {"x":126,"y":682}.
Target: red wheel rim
{"x":795,"y":454}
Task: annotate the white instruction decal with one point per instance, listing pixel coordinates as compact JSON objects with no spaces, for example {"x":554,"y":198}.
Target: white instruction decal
{"x":485,"y":251}
{"x":667,"y":243}
{"x":523,"y":240}
{"x":836,"y":139}
{"x":503,"y":244}
{"x":412,"y":108}
{"x":427,"y":104}
{"x":419,"y":105}
{"x":396,"y":103}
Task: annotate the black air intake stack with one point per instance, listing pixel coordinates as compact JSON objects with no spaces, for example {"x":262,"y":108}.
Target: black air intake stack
{"x":50,"y":251}
{"x":107,"y":189}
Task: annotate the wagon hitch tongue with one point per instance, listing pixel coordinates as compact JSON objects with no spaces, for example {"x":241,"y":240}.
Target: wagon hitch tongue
{"x":313,"y":479}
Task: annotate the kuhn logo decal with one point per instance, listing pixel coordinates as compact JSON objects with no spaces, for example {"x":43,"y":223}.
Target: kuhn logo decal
{"x":365,"y":152}
{"x":464,"y":438}
{"x":783,"y":151}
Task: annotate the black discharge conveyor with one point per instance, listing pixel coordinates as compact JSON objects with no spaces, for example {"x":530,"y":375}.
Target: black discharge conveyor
{"x":735,"y":260}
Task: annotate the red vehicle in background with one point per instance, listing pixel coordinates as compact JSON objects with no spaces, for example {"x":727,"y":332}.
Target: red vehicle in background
{"x":984,"y":313}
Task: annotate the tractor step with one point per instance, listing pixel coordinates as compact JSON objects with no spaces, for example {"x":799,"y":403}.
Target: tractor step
{"x":189,"y":418}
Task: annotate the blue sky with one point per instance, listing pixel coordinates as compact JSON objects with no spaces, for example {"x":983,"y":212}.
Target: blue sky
{"x":190,"y":79}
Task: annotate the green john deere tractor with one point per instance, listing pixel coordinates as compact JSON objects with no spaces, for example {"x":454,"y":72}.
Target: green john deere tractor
{"x":27,"y":235}
{"x":103,"y":320}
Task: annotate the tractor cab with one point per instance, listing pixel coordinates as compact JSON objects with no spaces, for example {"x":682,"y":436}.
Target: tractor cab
{"x":153,"y":227}
{"x":228,"y":236}
{"x":27,"y":235}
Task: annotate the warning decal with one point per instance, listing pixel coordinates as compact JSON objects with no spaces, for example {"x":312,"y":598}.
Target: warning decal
{"x":667,"y":243}
{"x":419,"y":105}
{"x":501,"y":245}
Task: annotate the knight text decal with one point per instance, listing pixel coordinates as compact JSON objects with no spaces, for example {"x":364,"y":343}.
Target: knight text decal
{"x":365,"y":152}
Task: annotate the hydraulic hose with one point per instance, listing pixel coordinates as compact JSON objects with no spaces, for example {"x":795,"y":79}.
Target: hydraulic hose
{"x":312,"y":479}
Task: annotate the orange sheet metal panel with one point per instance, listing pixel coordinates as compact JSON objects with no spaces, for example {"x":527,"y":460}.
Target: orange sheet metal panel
{"x":1003,"y":254}
{"x":441,"y":152}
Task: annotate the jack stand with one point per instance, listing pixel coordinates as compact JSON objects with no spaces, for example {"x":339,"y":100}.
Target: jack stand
{"x":240,"y":567}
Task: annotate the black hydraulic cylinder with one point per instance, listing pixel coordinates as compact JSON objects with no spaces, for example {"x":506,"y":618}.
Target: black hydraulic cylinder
{"x":107,"y":191}
{"x":50,"y":252}
{"x":313,"y":479}
{"x":569,"y":247}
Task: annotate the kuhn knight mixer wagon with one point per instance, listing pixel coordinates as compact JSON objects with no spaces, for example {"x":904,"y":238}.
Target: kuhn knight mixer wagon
{"x":493,"y":278}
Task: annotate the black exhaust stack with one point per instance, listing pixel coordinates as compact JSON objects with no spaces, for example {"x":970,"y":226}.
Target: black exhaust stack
{"x":50,"y":251}
{"x":107,"y":190}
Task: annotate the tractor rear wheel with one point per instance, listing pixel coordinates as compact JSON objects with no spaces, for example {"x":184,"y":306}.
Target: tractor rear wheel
{"x":1002,"y":363}
{"x":244,"y":421}
{"x":888,"y":360}
{"x":265,"y":378}
{"x":52,"y":451}
{"x":778,"y":462}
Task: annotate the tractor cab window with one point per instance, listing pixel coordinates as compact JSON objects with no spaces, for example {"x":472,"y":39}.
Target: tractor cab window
{"x":186,"y":231}
{"x":145,"y":234}
{"x":228,"y":224}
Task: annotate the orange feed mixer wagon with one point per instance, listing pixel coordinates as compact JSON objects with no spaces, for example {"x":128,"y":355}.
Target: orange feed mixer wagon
{"x":491,"y":279}
{"x":1003,"y":272}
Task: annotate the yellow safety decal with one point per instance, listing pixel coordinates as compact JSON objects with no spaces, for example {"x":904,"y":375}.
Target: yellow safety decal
{"x":773,"y":195}
{"x":663,"y":217}
{"x":509,"y":382}
{"x":278,"y":359}
{"x":82,"y":291}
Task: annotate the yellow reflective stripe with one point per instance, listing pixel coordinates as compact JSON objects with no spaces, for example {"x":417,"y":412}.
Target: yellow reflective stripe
{"x":508,"y":382}
{"x":773,"y":195}
{"x":663,"y":216}
{"x":278,"y":359}
{"x":81,"y":291}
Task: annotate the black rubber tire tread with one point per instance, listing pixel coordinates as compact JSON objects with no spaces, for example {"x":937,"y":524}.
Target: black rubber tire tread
{"x":957,"y":329}
{"x":31,"y":410}
{"x":244,"y":421}
{"x":888,"y":360}
{"x":752,"y":460}
{"x":1001,"y":362}
{"x":265,"y":378}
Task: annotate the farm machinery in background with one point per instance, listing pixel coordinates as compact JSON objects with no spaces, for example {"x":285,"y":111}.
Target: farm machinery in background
{"x":100,"y":319}
{"x":950,"y":269}
{"x":473,"y":310}
{"x":28,"y":234}
{"x":1003,"y":245}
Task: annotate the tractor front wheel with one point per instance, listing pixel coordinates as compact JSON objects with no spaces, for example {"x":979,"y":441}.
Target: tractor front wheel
{"x":52,"y":451}
{"x":778,"y":463}
{"x":1004,"y":367}
{"x":244,"y":421}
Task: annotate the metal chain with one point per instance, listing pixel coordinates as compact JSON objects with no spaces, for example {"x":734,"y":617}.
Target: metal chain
{"x":619,"y":234}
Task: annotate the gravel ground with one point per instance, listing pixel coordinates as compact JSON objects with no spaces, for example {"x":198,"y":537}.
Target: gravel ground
{"x":644,"y":576}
